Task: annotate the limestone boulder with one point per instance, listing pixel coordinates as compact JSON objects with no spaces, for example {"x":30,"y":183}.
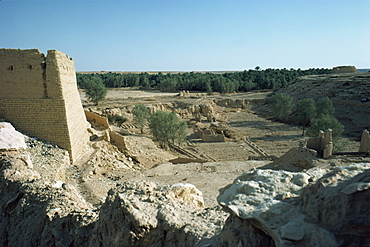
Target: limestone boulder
{"x":314,"y":208}
{"x":145,"y":214}
{"x":10,"y":138}
{"x":187,"y":193}
{"x":339,"y":201}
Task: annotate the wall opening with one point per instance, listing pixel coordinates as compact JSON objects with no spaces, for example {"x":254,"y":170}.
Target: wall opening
{"x":11,"y":67}
{"x":43,"y":65}
{"x":29,"y":66}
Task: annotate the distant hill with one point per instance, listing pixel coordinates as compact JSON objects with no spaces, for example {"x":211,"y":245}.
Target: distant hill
{"x":363,"y":70}
{"x":350,"y":93}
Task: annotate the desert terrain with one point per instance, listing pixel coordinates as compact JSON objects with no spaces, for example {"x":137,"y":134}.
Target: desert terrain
{"x":222,"y":161}
{"x":259,"y":187}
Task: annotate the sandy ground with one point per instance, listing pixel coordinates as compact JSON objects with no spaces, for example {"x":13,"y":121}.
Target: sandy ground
{"x":126,"y":93}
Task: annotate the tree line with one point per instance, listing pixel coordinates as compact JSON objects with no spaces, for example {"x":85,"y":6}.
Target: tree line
{"x":253,"y":79}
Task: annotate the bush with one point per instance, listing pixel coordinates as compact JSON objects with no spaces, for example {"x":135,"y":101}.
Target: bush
{"x":324,"y":106}
{"x":324,"y":122}
{"x":166,"y":127}
{"x":95,"y":90}
{"x":140,"y":115}
{"x":306,"y":111}
{"x":282,"y":105}
{"x":116,"y":119}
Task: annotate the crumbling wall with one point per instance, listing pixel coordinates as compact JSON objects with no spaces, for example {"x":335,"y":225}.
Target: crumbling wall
{"x":208,"y":135}
{"x":323,"y":144}
{"x":233,"y":103}
{"x":343,"y":69}
{"x":365,"y":142}
{"x":97,"y":119}
{"x":39,"y":96}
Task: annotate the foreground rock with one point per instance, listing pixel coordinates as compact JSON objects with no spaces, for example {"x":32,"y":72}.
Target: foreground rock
{"x":313,"y":208}
{"x":142,"y":214}
{"x":38,"y":213}
{"x":10,"y":138}
{"x":134,"y":214}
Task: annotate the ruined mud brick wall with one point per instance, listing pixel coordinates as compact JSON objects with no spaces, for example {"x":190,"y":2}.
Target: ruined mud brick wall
{"x":344,"y":69}
{"x":94,"y":118}
{"x":365,"y":142}
{"x":38,"y":95}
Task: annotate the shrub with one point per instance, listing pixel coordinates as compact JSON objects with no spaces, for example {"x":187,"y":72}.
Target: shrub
{"x":306,"y":111}
{"x":140,"y":115}
{"x":166,"y":127}
{"x":116,"y":119}
{"x":324,"y":122}
{"x":282,"y":105}
{"x":95,"y":90}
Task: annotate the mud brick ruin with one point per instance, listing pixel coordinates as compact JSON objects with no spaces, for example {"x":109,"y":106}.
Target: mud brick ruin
{"x":365,"y":142}
{"x":323,"y":144}
{"x":38,"y":95}
{"x":343,"y":69}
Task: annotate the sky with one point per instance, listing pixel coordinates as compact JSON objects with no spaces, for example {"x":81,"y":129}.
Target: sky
{"x":189,"y":35}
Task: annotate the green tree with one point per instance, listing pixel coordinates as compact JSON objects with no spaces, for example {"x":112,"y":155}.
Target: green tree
{"x":306,"y":110}
{"x":324,"y":106}
{"x":95,"y":89}
{"x":166,"y":127}
{"x":324,"y":122}
{"x":140,"y":115}
{"x":282,"y":105}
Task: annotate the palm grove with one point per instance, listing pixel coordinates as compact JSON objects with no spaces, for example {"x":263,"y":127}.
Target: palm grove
{"x":243,"y":81}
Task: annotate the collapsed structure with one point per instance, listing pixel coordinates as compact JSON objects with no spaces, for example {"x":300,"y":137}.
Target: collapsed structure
{"x":343,"y":69}
{"x":39,"y":96}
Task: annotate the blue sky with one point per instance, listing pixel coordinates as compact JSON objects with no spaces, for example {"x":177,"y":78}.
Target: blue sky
{"x":187,"y":35}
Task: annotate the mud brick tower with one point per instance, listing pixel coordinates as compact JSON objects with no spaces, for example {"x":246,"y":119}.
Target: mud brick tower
{"x":38,"y":95}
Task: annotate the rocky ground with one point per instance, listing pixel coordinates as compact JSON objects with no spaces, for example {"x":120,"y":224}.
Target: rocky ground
{"x":297,"y":200}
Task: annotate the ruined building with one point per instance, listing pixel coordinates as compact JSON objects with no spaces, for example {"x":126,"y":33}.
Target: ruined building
{"x":38,"y":95}
{"x":344,"y":69}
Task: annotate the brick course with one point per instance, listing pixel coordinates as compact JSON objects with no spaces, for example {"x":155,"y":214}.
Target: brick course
{"x":38,"y":95}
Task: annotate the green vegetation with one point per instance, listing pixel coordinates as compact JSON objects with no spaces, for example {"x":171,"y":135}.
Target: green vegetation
{"x":324,"y":119}
{"x":140,"y":115}
{"x":324,"y":122}
{"x":166,"y":127}
{"x":314,"y":116}
{"x":306,"y":111}
{"x":118,"y":120}
{"x":94,"y":89}
{"x":324,"y":106}
{"x":319,"y":116}
{"x":282,"y":105}
{"x":244,"y":81}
